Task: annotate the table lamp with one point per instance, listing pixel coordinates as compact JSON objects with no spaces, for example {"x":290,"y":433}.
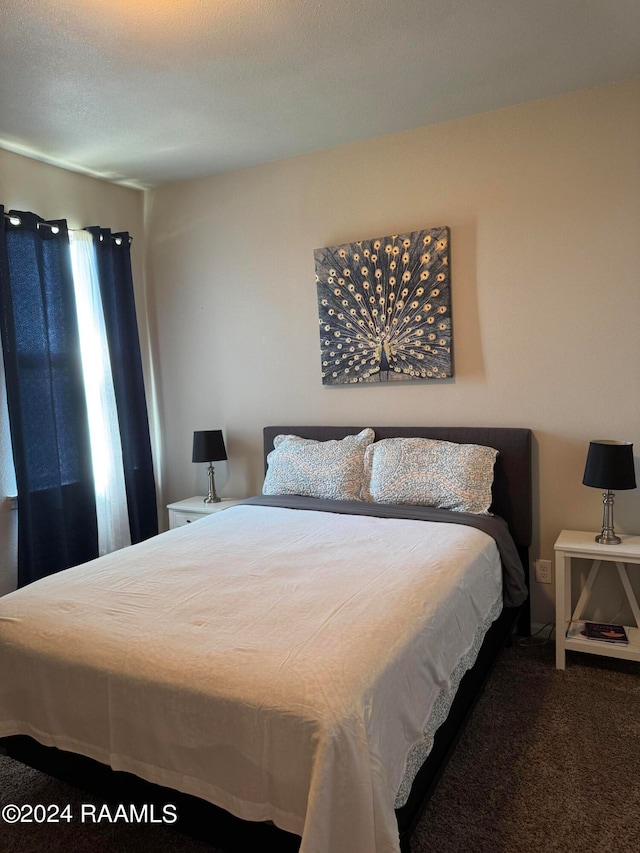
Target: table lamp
{"x":208,"y":446}
{"x":609,"y":466}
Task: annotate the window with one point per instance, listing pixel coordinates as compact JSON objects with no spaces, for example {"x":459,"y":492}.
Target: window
{"x":75,"y":393}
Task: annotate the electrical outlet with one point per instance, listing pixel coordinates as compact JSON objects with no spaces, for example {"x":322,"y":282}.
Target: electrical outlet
{"x":543,"y":571}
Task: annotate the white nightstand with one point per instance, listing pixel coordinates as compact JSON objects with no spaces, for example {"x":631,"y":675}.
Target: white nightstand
{"x":191,"y":509}
{"x":578,"y":543}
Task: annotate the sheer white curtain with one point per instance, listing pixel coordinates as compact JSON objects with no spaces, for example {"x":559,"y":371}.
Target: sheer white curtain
{"x":106,"y":452}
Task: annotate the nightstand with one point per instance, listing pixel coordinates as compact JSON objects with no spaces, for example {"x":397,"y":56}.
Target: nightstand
{"x":580,"y":544}
{"x":191,"y":509}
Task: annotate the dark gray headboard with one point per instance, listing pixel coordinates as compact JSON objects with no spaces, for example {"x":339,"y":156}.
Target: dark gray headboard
{"x":512,"y":481}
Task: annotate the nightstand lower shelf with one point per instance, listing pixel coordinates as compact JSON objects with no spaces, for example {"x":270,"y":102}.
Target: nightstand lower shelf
{"x":575,"y":641}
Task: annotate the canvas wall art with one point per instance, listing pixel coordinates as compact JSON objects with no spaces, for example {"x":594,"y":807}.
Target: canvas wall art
{"x":384,"y":308}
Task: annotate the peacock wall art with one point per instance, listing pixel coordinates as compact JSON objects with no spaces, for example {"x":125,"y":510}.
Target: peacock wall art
{"x":384,"y":308}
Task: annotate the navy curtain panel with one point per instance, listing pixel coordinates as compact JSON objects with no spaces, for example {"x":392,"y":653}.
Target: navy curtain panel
{"x":116,"y":289}
{"x":57,"y":525}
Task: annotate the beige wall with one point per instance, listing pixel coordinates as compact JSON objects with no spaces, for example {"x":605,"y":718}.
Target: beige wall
{"x":543,"y":201}
{"x":55,"y":193}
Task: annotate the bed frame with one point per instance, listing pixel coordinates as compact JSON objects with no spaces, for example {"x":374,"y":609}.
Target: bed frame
{"x":512,"y":499}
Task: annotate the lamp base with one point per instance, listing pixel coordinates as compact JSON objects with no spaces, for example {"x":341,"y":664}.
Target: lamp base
{"x":607,"y":538}
{"x":212,"y":497}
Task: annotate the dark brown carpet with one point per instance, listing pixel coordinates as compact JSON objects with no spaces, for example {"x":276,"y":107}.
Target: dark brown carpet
{"x":550,"y":761}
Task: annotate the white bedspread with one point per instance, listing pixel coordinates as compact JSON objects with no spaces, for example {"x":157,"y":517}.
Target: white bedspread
{"x":279,"y":663}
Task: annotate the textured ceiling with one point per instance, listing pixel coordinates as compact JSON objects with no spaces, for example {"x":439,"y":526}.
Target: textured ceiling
{"x":149,"y":91}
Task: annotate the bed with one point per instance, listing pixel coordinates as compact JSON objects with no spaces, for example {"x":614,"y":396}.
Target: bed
{"x":334,"y":729}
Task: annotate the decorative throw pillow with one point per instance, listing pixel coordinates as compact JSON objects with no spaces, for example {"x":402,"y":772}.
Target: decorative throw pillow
{"x":317,"y":469}
{"x":425,"y":472}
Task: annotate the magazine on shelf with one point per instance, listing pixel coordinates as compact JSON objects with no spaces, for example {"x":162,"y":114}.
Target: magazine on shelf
{"x":606,"y":632}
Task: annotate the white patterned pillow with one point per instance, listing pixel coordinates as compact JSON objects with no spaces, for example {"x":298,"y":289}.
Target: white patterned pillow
{"x":317,"y":469}
{"x":425,"y":472}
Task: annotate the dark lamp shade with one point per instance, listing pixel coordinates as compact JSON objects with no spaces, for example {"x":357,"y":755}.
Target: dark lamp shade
{"x":610,"y":465}
{"x":208,"y":446}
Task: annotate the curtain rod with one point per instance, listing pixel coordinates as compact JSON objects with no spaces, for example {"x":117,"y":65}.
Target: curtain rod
{"x":15,"y":220}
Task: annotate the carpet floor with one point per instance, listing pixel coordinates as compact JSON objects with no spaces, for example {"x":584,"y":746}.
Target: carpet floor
{"x":550,"y":761}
